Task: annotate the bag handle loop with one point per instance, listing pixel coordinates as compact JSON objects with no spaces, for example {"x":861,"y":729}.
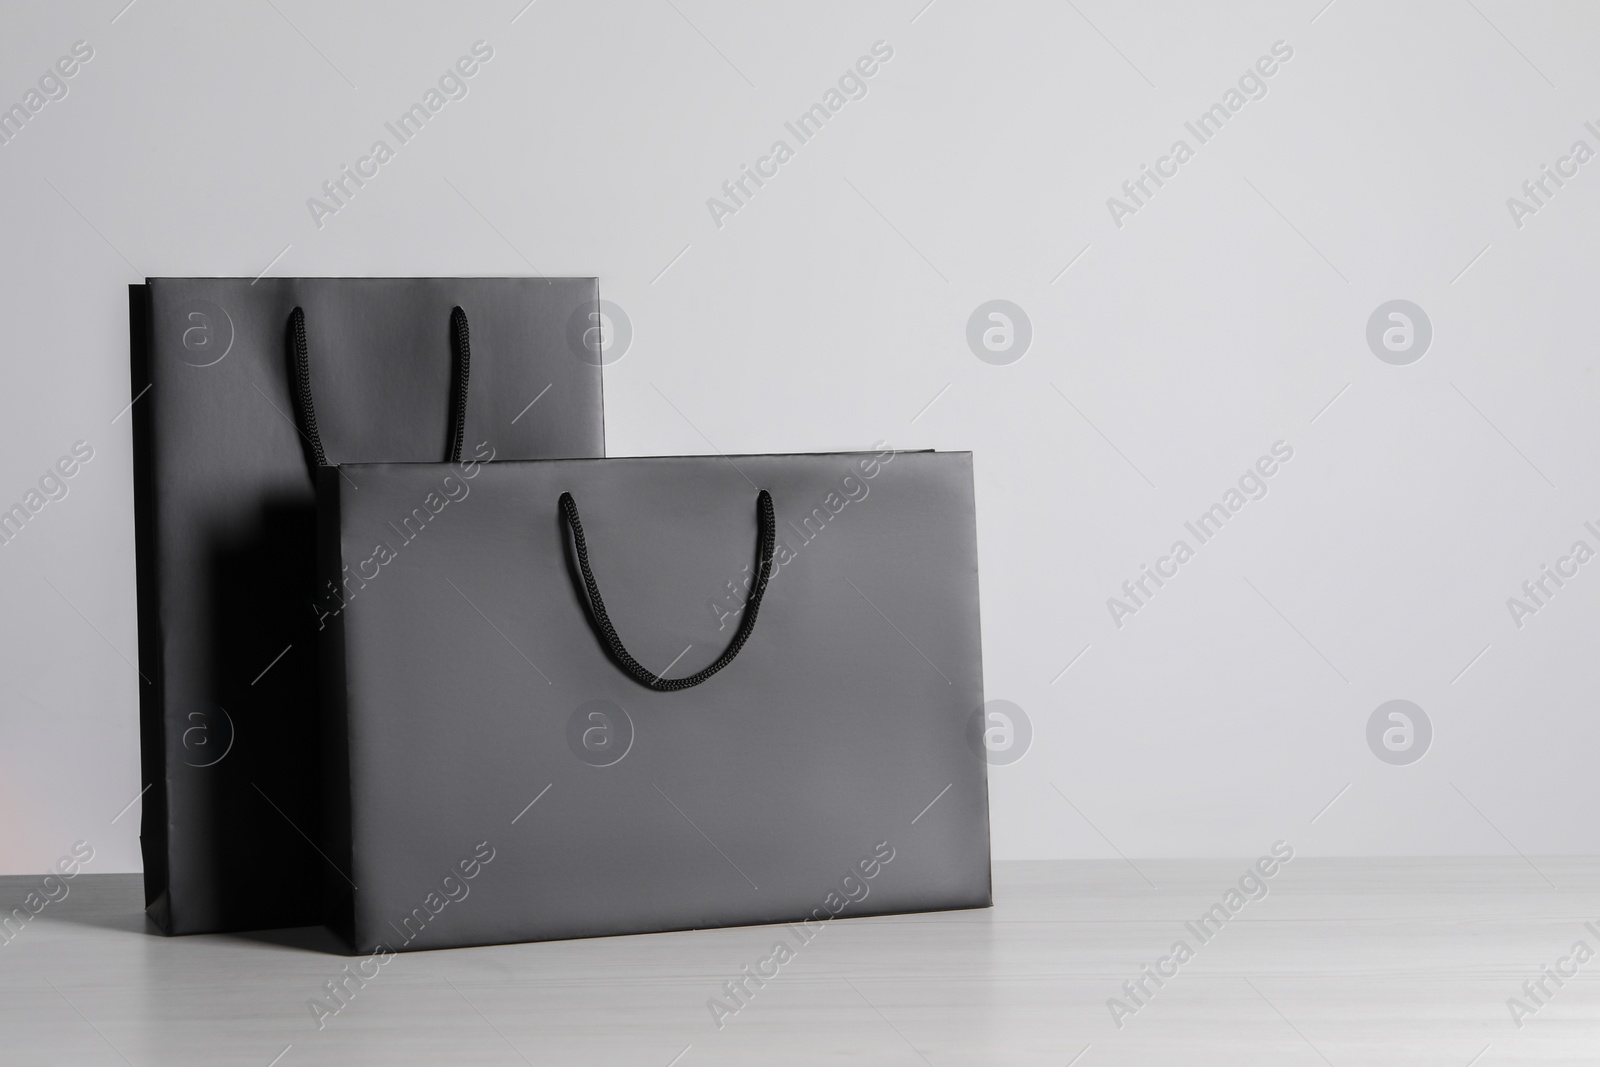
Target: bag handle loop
{"x":306,"y":410}
{"x":765,"y":547}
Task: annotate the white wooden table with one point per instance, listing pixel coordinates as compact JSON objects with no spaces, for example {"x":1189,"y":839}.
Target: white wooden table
{"x":1344,"y":962}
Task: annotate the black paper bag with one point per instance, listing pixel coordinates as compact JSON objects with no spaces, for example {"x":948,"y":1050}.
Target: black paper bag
{"x":565,"y":702}
{"x":229,"y":420}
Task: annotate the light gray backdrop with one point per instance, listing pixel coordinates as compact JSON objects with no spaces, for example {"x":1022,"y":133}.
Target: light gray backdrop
{"x":1175,"y":339}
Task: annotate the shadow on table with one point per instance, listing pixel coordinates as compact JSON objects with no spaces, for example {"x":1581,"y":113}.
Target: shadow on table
{"x":115,"y":902}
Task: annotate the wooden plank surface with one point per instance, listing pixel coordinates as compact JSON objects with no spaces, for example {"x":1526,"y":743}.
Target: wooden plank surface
{"x":1368,"y":961}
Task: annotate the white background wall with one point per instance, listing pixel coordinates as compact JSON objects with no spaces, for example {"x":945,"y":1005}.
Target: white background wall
{"x":1227,"y":314}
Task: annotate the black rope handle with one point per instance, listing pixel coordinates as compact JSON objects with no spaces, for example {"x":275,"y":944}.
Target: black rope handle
{"x":306,"y":409}
{"x":302,"y":387}
{"x":608,"y":633}
{"x":463,"y":346}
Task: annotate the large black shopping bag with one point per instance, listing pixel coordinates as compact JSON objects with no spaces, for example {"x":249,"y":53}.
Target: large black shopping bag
{"x":243,"y":388}
{"x":617,"y":696}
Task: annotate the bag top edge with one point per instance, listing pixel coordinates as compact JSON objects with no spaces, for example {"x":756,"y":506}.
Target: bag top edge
{"x":690,"y":455}
{"x":552,"y":279}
